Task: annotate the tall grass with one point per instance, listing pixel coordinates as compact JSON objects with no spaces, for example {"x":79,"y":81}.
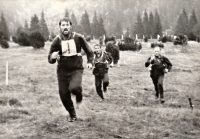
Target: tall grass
{"x":129,"y":110}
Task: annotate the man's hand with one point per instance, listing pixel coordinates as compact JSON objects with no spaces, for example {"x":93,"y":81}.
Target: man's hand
{"x":149,"y":68}
{"x":54,"y":55}
{"x":111,"y":65}
{"x":89,"y":66}
{"x":152,"y":58}
{"x":166,"y":71}
{"x":106,"y":62}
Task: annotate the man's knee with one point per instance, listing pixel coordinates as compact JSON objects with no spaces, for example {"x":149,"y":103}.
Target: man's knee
{"x":160,"y":82}
{"x":106,"y":83}
{"x":75,"y":89}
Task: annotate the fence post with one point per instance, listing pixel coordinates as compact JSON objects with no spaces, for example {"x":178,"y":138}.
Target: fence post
{"x":7,"y":73}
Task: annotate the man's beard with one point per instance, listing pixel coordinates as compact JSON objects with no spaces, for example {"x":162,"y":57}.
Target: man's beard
{"x":66,"y":34}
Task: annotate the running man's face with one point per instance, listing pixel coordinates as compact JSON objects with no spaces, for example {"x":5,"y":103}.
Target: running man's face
{"x":97,"y":50}
{"x":65,"y":27}
{"x":157,"y":51}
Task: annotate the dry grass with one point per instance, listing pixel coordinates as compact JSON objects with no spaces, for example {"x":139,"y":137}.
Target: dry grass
{"x":30,"y":106}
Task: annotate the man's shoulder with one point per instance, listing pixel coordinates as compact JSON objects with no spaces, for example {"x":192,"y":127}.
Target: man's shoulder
{"x":57,"y":38}
{"x":77,"y":35}
{"x":105,"y":53}
{"x":163,"y":57}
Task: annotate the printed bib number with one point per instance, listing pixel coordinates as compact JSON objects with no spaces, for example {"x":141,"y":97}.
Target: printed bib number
{"x":68,"y":48}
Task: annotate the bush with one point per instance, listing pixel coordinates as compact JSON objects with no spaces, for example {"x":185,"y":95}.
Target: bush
{"x":181,"y":40}
{"x":192,"y":37}
{"x":113,"y":50}
{"x":159,"y":44}
{"x":163,"y":39}
{"x":23,"y":39}
{"x":169,"y":38}
{"x":4,"y":43}
{"x":107,"y":39}
{"x":145,"y":39}
{"x":37,"y":40}
{"x":128,"y":40}
{"x":134,"y":46}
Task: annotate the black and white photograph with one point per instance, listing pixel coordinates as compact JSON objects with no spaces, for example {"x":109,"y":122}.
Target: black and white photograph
{"x":100,"y":69}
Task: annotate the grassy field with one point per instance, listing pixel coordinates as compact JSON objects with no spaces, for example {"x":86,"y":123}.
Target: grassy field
{"x":30,"y":107}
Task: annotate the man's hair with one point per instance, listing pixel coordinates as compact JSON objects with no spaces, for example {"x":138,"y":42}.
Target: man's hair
{"x":157,"y":46}
{"x":66,"y":19}
{"x":97,"y":45}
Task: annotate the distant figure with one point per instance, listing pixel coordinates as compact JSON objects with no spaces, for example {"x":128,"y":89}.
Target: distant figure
{"x":102,"y":60}
{"x":159,"y":66}
{"x":198,"y":39}
{"x":181,"y":40}
{"x":113,"y":49}
{"x":66,"y":50}
{"x":101,"y":41}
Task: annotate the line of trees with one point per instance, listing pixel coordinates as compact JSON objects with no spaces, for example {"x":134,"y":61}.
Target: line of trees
{"x":95,"y":29}
{"x":4,"y":28}
{"x":4,"y":33}
{"x":150,"y":25}
{"x":188,"y":26}
{"x":35,"y":35}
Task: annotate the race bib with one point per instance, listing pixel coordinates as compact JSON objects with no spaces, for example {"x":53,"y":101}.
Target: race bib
{"x":68,"y":48}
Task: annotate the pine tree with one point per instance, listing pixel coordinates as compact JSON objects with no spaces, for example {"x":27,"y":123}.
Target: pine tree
{"x":74,"y":22}
{"x":145,"y":24}
{"x":182,"y":27}
{"x":43,"y":27}
{"x":185,"y":22}
{"x":22,"y":36}
{"x":157,"y":25}
{"x":34,"y":24}
{"x":66,"y":13}
{"x":192,"y":22}
{"x":79,"y":29}
{"x":4,"y":28}
{"x":118,"y":30}
{"x":85,"y":23}
{"x":138,"y":27}
{"x":101,"y":29}
{"x":196,"y":30}
{"x":127,"y":33}
{"x":151,"y":24}
{"x":26,"y":28}
{"x":95,"y":25}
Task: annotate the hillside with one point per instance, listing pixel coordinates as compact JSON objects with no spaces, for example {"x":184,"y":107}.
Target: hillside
{"x":17,"y":11}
